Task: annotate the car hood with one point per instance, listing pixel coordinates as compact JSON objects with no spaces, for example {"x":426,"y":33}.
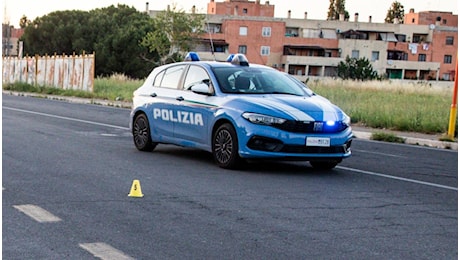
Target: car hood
{"x":299,"y":108}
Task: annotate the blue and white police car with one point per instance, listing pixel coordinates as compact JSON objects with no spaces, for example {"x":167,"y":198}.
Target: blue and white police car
{"x":238,"y":111}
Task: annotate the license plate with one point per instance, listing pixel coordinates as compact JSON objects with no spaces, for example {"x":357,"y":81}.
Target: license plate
{"x":318,"y":141}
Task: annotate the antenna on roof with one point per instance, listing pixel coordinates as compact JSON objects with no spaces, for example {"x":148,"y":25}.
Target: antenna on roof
{"x":6,"y":18}
{"x":210,"y":38}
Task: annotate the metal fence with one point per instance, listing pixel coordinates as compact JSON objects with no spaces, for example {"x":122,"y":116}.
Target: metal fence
{"x":74,"y":72}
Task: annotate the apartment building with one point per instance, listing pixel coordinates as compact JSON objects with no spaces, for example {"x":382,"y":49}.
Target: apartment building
{"x":11,"y":46}
{"x":424,"y":46}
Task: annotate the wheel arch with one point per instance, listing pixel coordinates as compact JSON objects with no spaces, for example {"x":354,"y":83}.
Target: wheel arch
{"x":136,"y":114}
{"x":220,"y":122}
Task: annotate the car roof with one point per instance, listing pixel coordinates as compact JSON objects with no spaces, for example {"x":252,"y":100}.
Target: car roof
{"x":234,"y":60}
{"x":218,"y":64}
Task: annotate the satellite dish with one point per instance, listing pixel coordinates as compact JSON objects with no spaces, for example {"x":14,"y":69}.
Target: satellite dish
{"x":432,"y":26}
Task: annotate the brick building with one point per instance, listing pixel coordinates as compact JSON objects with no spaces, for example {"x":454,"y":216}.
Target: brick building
{"x":423,"y":47}
{"x":10,"y":40}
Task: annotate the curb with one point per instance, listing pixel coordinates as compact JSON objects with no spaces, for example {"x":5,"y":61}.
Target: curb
{"x":123,"y":104}
{"x":414,"y":141}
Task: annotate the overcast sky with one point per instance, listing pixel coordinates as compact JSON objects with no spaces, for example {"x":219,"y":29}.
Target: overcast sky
{"x":317,"y":9}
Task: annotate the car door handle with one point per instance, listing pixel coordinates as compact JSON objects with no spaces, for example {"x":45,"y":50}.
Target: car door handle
{"x":180,"y":98}
{"x":153,"y":94}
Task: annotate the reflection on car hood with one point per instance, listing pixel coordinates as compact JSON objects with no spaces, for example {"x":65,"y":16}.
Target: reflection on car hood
{"x":300,"y":108}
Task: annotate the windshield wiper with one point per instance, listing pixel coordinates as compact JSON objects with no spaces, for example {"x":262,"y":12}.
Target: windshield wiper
{"x":280,"y":92}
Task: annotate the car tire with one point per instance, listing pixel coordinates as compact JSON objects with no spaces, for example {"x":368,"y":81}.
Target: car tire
{"x":141,"y":134}
{"x":225,"y":147}
{"x":323,"y":165}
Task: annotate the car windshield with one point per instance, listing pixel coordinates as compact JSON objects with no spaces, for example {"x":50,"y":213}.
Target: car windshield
{"x":249,"y":80}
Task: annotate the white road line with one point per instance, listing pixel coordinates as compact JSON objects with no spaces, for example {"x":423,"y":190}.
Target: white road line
{"x":66,"y":118}
{"x":37,"y":213}
{"x":104,"y":251}
{"x":384,"y":154}
{"x":399,"y":178}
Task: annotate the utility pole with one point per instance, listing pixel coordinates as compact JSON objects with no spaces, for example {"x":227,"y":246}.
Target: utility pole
{"x":6,"y":37}
{"x":453,"y":107}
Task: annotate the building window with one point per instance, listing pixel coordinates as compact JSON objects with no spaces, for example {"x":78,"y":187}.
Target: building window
{"x":446,"y":76}
{"x":448,"y":59}
{"x":413,"y":20}
{"x":375,"y":55}
{"x":243,"y":30}
{"x":266,"y":31}
{"x":355,"y":54}
{"x":444,"y":21}
{"x":245,"y":10}
{"x":449,"y":40}
{"x":265,"y":50}
{"x":242,"y":49}
{"x":422,"y":57}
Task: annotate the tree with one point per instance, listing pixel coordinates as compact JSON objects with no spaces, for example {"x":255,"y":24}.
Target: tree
{"x":113,"y":33}
{"x":23,"y":22}
{"x":331,"y":10}
{"x":117,"y":33}
{"x":356,"y":69}
{"x":395,"y":11}
{"x":336,"y":8}
{"x":178,"y":33}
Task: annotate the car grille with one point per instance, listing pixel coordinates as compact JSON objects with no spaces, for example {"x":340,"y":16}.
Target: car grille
{"x":310,"y":127}
{"x":274,"y":145}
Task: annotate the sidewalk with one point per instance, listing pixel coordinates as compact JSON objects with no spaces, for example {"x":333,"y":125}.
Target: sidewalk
{"x":358,"y":131}
{"x":412,"y":138}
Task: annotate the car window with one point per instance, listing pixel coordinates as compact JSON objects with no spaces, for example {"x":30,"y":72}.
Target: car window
{"x":172,"y":76}
{"x":195,"y":75}
{"x":158,"y":79}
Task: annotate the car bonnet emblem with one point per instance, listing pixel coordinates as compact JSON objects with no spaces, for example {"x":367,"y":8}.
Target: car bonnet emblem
{"x":318,"y":126}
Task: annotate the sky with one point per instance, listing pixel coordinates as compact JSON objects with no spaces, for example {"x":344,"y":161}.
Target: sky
{"x":13,"y":10}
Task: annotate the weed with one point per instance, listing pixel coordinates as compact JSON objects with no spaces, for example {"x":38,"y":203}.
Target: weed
{"x":387,"y":137}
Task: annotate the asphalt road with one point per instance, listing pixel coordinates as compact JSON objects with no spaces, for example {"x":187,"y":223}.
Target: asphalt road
{"x":68,"y":168}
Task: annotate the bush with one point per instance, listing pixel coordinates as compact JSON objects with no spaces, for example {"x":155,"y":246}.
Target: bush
{"x":356,"y":69}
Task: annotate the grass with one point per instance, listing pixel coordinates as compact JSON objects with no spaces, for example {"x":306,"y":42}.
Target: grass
{"x":117,"y":87}
{"x":412,"y":107}
{"x":377,"y":104}
{"x":387,"y":137}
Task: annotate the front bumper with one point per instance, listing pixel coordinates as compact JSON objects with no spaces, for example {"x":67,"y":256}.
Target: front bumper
{"x":266,"y":142}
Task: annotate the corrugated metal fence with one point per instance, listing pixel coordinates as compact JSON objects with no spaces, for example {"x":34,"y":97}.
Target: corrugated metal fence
{"x":67,"y":72}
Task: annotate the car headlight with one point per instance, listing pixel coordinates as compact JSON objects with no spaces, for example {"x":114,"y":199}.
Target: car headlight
{"x":263,"y":119}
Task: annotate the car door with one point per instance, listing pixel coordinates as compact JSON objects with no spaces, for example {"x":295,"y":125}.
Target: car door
{"x":162,"y":103}
{"x":196,"y":110}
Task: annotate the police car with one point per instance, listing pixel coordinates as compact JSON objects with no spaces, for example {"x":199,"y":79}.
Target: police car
{"x":238,"y":111}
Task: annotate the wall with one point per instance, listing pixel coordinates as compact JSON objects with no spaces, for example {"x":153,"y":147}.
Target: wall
{"x":66,"y":72}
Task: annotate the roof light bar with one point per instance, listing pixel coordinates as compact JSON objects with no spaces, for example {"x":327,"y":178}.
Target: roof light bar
{"x":192,"y":56}
{"x":238,"y":59}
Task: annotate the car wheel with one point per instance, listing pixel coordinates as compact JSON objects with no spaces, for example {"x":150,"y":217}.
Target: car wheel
{"x":323,"y":165}
{"x":141,"y":134}
{"x":225,"y":147}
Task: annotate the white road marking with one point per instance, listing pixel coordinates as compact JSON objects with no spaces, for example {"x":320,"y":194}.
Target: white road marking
{"x":37,"y":213}
{"x":384,"y":154}
{"x":66,"y":118}
{"x":398,"y":178}
{"x":104,"y":251}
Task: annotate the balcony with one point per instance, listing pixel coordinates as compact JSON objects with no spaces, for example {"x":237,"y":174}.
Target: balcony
{"x":311,"y":60}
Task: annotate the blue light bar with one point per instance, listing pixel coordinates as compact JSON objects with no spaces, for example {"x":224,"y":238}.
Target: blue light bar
{"x":238,"y":59}
{"x":192,"y":56}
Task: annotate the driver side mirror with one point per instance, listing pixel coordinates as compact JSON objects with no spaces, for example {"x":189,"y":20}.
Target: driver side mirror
{"x":202,"y":88}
